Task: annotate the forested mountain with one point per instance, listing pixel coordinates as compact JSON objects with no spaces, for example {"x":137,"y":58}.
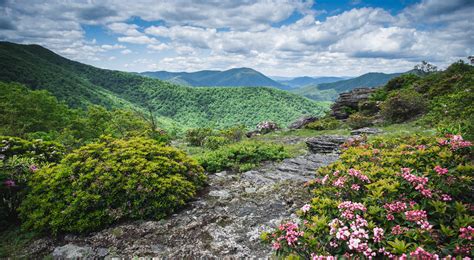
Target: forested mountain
{"x":229,"y":78}
{"x":304,"y":81}
{"x":329,"y":91}
{"x":79,"y":85}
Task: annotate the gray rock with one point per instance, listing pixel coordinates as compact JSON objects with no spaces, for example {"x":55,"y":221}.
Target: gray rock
{"x":222,"y":194}
{"x":71,"y":251}
{"x":325,"y":143}
{"x":302,"y":122}
{"x":349,"y":100}
{"x":366,"y":131}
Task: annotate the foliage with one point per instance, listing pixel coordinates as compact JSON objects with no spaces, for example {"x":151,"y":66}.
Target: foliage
{"x":402,"y":81}
{"x":197,"y":136}
{"x":213,"y":139}
{"x":80,"y":85}
{"x":19,"y":158}
{"x":327,"y":123}
{"x":241,"y":156}
{"x":109,"y":181}
{"x":403,"y":105}
{"x":410,"y":195}
{"x":358,"y":120}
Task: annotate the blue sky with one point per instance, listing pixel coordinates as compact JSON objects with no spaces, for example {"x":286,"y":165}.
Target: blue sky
{"x":278,"y":38}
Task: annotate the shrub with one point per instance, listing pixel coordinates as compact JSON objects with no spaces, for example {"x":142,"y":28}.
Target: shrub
{"x":241,"y":156}
{"x":197,"y":136}
{"x":109,"y":181}
{"x":19,"y":158}
{"x":402,"y":81}
{"x":391,"y":197}
{"x":358,"y":120}
{"x":214,"y":142}
{"x":403,"y":105}
{"x":233,"y":134}
{"x":328,"y":123}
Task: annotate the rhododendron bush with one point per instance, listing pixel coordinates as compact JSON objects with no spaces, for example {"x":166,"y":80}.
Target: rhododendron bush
{"x":398,"y":197}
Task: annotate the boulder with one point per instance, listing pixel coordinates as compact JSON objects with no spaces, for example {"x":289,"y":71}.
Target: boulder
{"x":71,"y":251}
{"x":366,"y":131}
{"x":350,"y":101}
{"x":262,"y":128}
{"x":302,"y":122}
{"x":325,"y":143}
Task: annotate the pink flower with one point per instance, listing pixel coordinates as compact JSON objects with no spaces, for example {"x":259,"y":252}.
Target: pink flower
{"x":415,"y":215}
{"x":276,"y":246}
{"x":419,"y":253}
{"x":355,"y":187}
{"x":33,"y":168}
{"x":9,"y":183}
{"x":305,"y":208}
{"x":390,"y":217}
{"x":358,"y":175}
{"x":398,"y":230}
{"x":466,"y":233}
{"x":339,"y":182}
{"x":348,"y":208}
{"x":440,"y":170}
{"x":378,"y":234}
{"x":336,"y":173}
{"x":324,"y":179}
{"x":395,"y":207}
{"x":446,"y":197}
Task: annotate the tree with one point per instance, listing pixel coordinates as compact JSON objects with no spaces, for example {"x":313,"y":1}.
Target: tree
{"x":471,"y":59}
{"x":425,"y":68}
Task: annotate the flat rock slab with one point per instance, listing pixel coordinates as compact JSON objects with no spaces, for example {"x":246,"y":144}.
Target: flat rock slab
{"x":225,"y":221}
{"x":325,"y":143}
{"x":366,"y":131}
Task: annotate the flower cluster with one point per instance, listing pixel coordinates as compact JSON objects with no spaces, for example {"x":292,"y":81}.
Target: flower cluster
{"x":358,"y":175}
{"x":440,"y":170}
{"x":378,"y":234}
{"x":418,"y":216}
{"x":9,"y":183}
{"x":356,"y":237}
{"x":398,"y":230}
{"x":339,"y":182}
{"x":305,"y":208}
{"x":417,"y":182}
{"x":455,"y":142}
{"x":321,"y":257}
{"x":348,"y":208}
{"x":466,"y":233}
{"x":291,"y":234}
{"x":420,"y":253}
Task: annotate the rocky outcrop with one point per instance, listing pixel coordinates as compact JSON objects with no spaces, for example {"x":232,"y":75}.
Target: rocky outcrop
{"x":366,"y":131}
{"x":225,"y":221}
{"x":302,"y":122}
{"x":325,"y":143}
{"x":349,"y":101}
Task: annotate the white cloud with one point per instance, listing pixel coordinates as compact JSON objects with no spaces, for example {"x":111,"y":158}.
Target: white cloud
{"x":142,"y":39}
{"x":126,"y":51}
{"x":109,"y":47}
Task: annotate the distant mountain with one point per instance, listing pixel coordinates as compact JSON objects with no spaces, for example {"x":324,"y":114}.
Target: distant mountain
{"x":175,"y":106}
{"x":304,"y":81}
{"x":236,"y":77}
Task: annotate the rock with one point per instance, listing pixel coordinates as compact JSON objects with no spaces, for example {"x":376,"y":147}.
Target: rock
{"x":71,"y":251}
{"x":264,"y":127}
{"x":222,"y":194}
{"x":349,"y":100}
{"x":325,"y":143}
{"x":302,"y":122}
{"x":366,"y":131}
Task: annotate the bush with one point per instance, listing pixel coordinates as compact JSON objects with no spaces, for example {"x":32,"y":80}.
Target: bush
{"x":403,"y":105}
{"x":109,"y":181}
{"x":214,"y":142}
{"x":402,"y":81}
{"x":406,"y":195}
{"x":18,"y":159}
{"x":358,"y":120}
{"x":328,"y":123}
{"x":241,"y":156}
{"x":197,"y":136}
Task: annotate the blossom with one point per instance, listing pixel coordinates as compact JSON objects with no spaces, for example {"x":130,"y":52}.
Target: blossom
{"x":378,"y":234}
{"x":276,"y":246}
{"x":305,"y":208}
{"x":390,"y":217}
{"x":415,"y":215}
{"x":446,"y":197}
{"x":355,"y":187}
{"x":348,"y":208}
{"x":440,"y":170}
{"x":466,"y":233}
{"x":420,"y":253}
{"x":292,"y":233}
{"x":343,"y":233}
{"x":395,"y":207}
{"x":33,"y":168}
{"x":339,"y":182}
{"x":398,"y":230}
{"x":322,"y":257}
{"x":324,"y":179}
{"x":358,"y":175}
{"x":10,"y":183}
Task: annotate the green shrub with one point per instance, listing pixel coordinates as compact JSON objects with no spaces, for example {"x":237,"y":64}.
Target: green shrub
{"x":214,"y":142}
{"x":358,"y":120}
{"x":241,"y":156}
{"x":18,"y":159}
{"x":109,"y":181}
{"x":233,"y":134}
{"x":197,"y":136}
{"x":400,"y":82}
{"x":393,"y":196}
{"x":328,"y":123}
{"x":403,"y":105}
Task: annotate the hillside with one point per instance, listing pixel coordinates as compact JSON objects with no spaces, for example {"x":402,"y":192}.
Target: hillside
{"x":304,"y":81}
{"x":79,"y":85}
{"x":212,"y":78}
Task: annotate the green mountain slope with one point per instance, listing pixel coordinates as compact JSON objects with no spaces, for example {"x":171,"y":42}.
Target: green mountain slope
{"x":213,"y":78}
{"x":305,"y":81}
{"x":79,"y":84}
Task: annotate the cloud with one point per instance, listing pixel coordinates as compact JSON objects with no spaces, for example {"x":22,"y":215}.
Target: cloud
{"x":142,"y":39}
{"x":108,"y":47}
{"x":6,"y":24}
{"x":96,"y":13}
{"x":126,"y":51}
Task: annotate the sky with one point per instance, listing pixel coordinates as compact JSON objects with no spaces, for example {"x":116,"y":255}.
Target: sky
{"x":279,"y":38}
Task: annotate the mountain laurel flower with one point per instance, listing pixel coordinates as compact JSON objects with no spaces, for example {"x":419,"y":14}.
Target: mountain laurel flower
{"x":466,"y":233}
{"x":305,"y":208}
{"x":33,"y":168}
{"x":355,"y":187}
{"x":276,"y":246}
{"x":446,"y":197}
{"x":395,"y":207}
{"x":339,"y":182}
{"x":415,"y":215}
{"x":358,"y":175}
{"x":420,"y":253}
{"x":10,"y":183}
{"x":398,"y":230}
{"x":324,"y":179}
{"x":440,"y":170}
{"x":378,"y":234}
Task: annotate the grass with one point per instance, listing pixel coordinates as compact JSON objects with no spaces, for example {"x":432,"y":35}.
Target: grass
{"x":13,"y":241}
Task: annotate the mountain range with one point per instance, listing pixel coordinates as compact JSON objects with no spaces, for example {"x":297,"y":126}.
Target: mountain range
{"x":212,"y":78}
{"x":175,"y":106}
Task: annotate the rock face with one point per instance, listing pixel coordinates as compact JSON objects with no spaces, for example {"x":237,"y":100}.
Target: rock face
{"x":225,"y":221}
{"x":366,"y":131}
{"x":325,"y":143}
{"x":302,"y":122}
{"x":349,"y":100}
